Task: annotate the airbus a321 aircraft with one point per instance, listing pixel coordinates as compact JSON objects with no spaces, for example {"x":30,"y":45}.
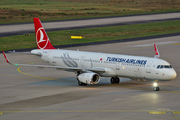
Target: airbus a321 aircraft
{"x":90,"y":66}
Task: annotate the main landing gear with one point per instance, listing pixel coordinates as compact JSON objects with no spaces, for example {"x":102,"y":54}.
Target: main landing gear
{"x":155,"y":86}
{"x":81,"y":83}
{"x":115,"y":80}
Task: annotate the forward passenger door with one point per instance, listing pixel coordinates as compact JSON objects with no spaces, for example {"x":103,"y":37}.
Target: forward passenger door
{"x":148,"y":68}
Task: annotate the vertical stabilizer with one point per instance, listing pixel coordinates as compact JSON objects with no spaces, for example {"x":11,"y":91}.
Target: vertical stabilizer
{"x":42,"y":39}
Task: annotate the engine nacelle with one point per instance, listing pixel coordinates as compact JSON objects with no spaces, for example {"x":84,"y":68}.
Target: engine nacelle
{"x":89,"y":78}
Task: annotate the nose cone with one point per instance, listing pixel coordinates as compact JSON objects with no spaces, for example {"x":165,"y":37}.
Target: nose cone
{"x":172,"y":74}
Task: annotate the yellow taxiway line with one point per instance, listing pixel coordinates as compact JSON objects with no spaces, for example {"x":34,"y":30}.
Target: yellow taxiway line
{"x":34,"y":75}
{"x":157,"y":112}
{"x":175,"y":117}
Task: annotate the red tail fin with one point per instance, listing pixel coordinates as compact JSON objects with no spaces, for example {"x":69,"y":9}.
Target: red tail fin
{"x":42,"y":39}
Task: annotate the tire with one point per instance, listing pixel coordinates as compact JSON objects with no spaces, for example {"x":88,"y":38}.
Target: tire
{"x":113,"y":80}
{"x":117,"y":79}
{"x":156,"y":88}
{"x":81,"y":83}
{"x":84,"y":84}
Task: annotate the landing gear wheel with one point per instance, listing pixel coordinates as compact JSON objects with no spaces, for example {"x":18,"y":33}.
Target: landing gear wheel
{"x":81,"y":83}
{"x":117,"y":79}
{"x":155,"y":84}
{"x":114,"y":80}
{"x":84,"y":84}
{"x":156,"y":88}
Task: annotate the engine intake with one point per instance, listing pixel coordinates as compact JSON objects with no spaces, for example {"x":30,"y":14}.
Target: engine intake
{"x":89,"y":78}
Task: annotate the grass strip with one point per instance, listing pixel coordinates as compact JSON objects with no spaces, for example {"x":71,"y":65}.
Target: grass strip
{"x":93,"y":34}
{"x":20,"y":11}
{"x":83,"y":16}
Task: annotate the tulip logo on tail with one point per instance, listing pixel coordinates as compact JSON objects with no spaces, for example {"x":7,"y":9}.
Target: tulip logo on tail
{"x":41,"y":38}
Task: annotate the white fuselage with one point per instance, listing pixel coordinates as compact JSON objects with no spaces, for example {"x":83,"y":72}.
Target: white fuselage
{"x":134,"y":67}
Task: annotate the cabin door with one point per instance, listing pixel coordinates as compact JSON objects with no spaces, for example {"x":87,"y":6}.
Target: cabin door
{"x":82,"y":61}
{"x":117,"y":66}
{"x":148,"y":68}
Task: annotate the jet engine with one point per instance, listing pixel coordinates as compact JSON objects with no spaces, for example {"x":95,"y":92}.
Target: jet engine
{"x":88,"y":78}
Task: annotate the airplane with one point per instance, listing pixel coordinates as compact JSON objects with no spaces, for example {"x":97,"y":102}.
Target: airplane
{"x":90,"y":66}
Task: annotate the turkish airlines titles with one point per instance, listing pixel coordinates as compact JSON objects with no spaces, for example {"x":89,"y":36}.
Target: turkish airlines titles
{"x":124,"y":60}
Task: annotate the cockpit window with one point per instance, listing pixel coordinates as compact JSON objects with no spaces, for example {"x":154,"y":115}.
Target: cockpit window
{"x":163,"y":66}
{"x":166,"y":66}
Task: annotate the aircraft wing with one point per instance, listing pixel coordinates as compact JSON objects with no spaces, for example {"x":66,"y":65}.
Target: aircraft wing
{"x":97,"y":70}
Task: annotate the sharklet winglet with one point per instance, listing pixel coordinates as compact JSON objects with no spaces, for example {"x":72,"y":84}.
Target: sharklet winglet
{"x":6,"y":58}
{"x":156,"y":52}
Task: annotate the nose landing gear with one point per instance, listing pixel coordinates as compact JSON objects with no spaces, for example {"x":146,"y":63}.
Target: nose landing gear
{"x":155,"y":86}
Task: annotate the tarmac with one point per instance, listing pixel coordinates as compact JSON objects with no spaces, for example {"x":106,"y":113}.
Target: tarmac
{"x":29,"y":93}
